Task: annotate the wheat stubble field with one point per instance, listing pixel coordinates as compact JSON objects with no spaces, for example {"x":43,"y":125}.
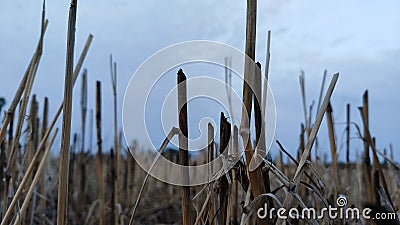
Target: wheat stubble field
{"x":91,"y":184}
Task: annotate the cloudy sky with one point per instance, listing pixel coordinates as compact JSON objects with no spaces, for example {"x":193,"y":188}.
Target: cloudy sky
{"x":358,"y":39}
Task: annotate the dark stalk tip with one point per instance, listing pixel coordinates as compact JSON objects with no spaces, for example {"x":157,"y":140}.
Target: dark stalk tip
{"x":181,"y":76}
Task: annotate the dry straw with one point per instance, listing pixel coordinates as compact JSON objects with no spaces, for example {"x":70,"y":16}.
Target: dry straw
{"x":102,"y":205}
{"x":62,"y":203}
{"x":183,"y":146}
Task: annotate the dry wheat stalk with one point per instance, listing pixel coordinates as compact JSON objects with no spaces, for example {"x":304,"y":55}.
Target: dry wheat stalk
{"x":255,"y":175}
{"x":225,"y":134}
{"x":117,"y":159}
{"x":211,"y":157}
{"x":334,"y":166}
{"x":31,"y":147}
{"x":100,"y":156}
{"x":42,"y":186}
{"x":234,"y":194}
{"x":183,"y":145}
{"x":366,"y":160}
{"x":62,"y":202}
{"x":81,"y":201}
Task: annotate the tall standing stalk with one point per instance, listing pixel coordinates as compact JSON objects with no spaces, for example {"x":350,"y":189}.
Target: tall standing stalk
{"x":260,"y":142}
{"x":348,"y":134}
{"x":225,"y":135}
{"x":82,"y":192}
{"x":83,"y":108}
{"x":91,"y":131}
{"x":112,"y":186}
{"x":307,"y":114}
{"x":113,"y":67}
{"x":130,"y":174}
{"x":42,"y":184}
{"x":255,"y":175}
{"x":234,"y":194}
{"x":211,"y":212}
{"x":33,"y":134}
{"x":331,"y":133}
{"x":66,"y":124}
{"x":348,"y":181}
{"x":266,"y":75}
{"x":367,"y":160}
{"x":31,"y":147}
{"x":183,"y":146}
{"x":302,"y":189}
{"x":303,"y":97}
{"x":228,"y":82}
{"x":264,"y":94}
{"x":71,"y":174}
{"x":100,"y":156}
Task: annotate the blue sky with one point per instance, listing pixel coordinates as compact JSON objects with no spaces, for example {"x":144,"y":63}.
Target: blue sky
{"x":358,"y":39}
